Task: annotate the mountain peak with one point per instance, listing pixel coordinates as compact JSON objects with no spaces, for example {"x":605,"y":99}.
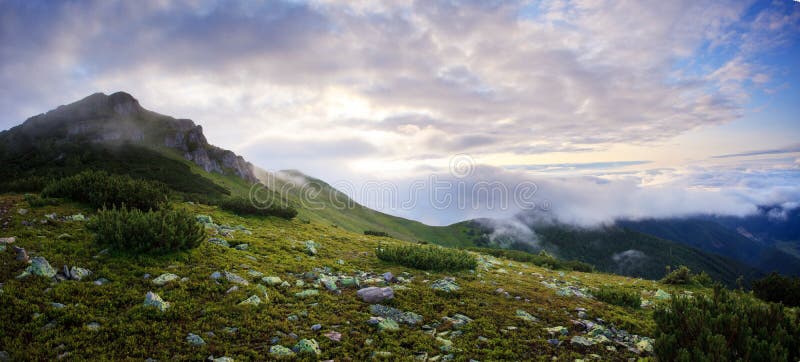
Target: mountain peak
{"x":118,"y":118}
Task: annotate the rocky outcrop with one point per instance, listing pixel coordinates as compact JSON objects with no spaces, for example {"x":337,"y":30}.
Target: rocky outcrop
{"x":118,"y":118}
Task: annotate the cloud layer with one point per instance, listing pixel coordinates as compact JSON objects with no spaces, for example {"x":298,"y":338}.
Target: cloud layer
{"x":358,"y":89}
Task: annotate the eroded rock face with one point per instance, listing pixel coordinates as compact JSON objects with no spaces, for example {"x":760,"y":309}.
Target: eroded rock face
{"x":120,"y":118}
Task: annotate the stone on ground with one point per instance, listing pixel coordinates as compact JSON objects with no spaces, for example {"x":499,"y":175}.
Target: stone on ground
{"x":374,"y":295}
{"x":165,"y":278}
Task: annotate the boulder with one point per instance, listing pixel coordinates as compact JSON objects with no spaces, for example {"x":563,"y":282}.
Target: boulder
{"x":165,"y":278}
{"x":272,"y":281}
{"x":280,"y":351}
{"x":233,"y":278}
{"x":254,"y":300}
{"x":307,"y":293}
{"x":395,"y":314}
{"x":521,"y":314}
{"x":307,"y":346}
{"x":40,"y":267}
{"x":220,"y":242}
{"x":383,"y":324}
{"x":374,"y":295}
{"x":195,"y":340}
{"x":78,"y":273}
{"x":311,"y":247}
{"x":153,"y":300}
{"x":445,"y":285}
{"x":580,"y":341}
{"x":22,"y":255}
{"x":8,"y":240}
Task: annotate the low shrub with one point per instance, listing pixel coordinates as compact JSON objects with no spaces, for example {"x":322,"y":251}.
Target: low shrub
{"x":683,"y":276}
{"x":139,"y":231}
{"x":542,"y":259}
{"x":242,"y":206}
{"x":727,"y":326}
{"x":778,"y":289}
{"x":101,"y":189}
{"x":427,"y":257}
{"x":375,"y":233}
{"x":36,"y":200}
{"x":618,"y":297}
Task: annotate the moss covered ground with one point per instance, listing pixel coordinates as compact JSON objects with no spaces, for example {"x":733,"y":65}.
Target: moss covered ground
{"x":110,"y":322}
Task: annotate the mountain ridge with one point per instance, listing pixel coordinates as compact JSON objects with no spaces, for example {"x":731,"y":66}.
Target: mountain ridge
{"x":119,"y":118}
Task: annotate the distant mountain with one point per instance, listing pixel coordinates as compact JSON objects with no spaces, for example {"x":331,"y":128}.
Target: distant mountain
{"x":764,"y":241}
{"x":611,"y":249}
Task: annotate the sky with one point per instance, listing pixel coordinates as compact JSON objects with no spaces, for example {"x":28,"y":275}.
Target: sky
{"x":610,"y":108}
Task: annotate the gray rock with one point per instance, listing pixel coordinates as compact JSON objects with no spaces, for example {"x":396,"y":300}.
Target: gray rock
{"x":389,"y":277}
{"x":233,"y":278}
{"x":316,"y":327}
{"x":220,"y":242}
{"x":39,"y":267}
{"x":253,"y":300}
{"x":397,"y":315}
{"x":216,"y":275}
{"x":334,"y":336}
{"x":307,"y":293}
{"x":384,"y":324}
{"x":77,"y":273}
{"x":280,"y":351}
{"x":311,"y":247}
{"x":307,"y":346}
{"x":374,"y":295}
{"x":445,"y":285}
{"x":241,"y":247}
{"x":165,"y":278}
{"x":232,"y":289}
{"x":153,"y":300}
{"x":22,"y":255}
{"x":93,"y":326}
{"x":8,"y":240}
{"x":272,"y":281}
{"x":581,"y":341}
{"x":195,"y":340}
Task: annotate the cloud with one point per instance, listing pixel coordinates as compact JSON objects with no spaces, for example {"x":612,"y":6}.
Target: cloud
{"x":433,"y":76}
{"x":774,"y":151}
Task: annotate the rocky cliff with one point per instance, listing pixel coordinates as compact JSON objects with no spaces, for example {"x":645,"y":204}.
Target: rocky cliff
{"x":119,"y":118}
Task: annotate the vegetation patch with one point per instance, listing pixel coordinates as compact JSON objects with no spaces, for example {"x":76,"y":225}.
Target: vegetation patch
{"x":427,"y":257}
{"x":376,"y":233}
{"x":683,"y":276}
{"x":242,"y":206}
{"x":101,"y":189}
{"x":618,"y":297}
{"x":542,"y":259}
{"x":137,"y":231}
{"x":728,"y":326}
{"x":778,"y":289}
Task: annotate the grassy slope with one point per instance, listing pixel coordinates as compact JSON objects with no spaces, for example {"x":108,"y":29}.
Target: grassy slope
{"x":130,"y":331}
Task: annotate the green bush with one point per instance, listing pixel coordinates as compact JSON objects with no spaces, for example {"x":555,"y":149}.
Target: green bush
{"x":683,"y":276}
{"x":618,"y":297}
{"x":242,"y":206}
{"x":427,"y":257}
{"x":542,"y":259}
{"x":778,"y":289}
{"x":375,"y":233}
{"x":725,"y":327}
{"x":139,"y":231}
{"x":101,"y":189}
{"x":36,"y":200}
